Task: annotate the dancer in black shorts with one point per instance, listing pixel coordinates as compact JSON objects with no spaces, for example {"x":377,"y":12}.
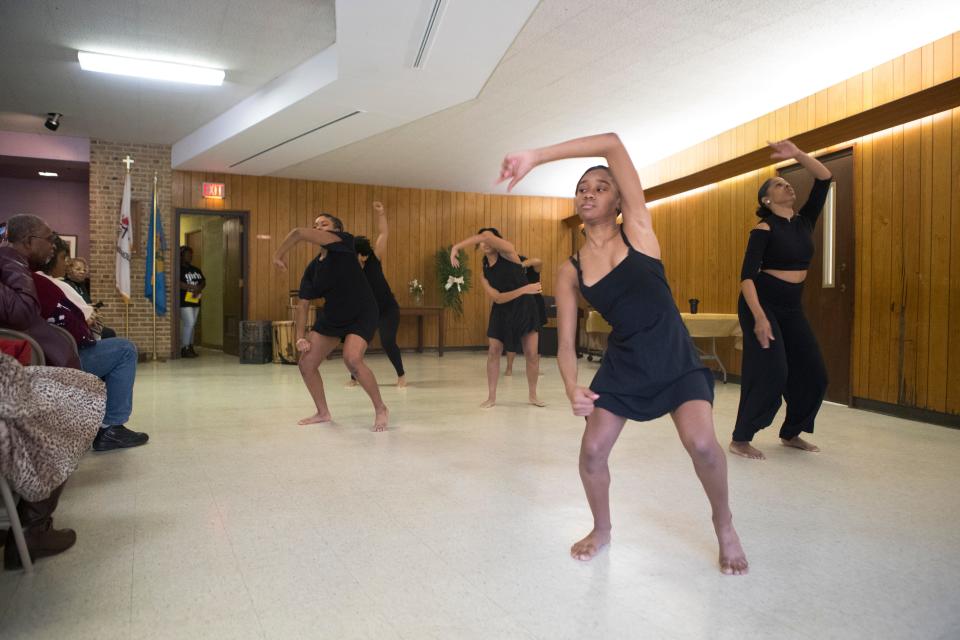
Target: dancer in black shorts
{"x":650,"y":367}
{"x":349,"y":312}
{"x":388,"y":322}
{"x":513,"y":317}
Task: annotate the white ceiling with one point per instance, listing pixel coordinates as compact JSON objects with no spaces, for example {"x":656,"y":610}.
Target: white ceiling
{"x":254,"y":41}
{"x":663,"y":73}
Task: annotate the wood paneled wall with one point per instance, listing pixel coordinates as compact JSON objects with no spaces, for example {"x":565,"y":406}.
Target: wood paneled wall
{"x":421,"y":221}
{"x":907,"y":206}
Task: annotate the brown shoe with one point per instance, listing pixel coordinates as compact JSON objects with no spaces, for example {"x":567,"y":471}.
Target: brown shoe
{"x":40,"y":543}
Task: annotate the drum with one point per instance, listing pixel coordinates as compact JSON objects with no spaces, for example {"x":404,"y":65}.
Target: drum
{"x":284,"y":342}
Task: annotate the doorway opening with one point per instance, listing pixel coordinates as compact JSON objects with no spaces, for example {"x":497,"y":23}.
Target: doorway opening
{"x":216,"y":240}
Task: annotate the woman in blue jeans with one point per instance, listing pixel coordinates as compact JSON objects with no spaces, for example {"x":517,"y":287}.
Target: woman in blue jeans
{"x":113,"y":360}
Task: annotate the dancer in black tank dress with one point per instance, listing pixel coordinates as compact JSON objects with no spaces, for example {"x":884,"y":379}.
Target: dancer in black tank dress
{"x":531,"y":266}
{"x":513,"y":316}
{"x":349,"y":313}
{"x":371,"y":260}
{"x":781,"y":357}
{"x":650,"y":367}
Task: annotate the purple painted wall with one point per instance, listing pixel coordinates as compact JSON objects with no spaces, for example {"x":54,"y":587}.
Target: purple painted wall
{"x":64,"y":205}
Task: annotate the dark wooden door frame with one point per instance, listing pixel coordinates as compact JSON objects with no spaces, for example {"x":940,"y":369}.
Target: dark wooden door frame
{"x":244,"y":217}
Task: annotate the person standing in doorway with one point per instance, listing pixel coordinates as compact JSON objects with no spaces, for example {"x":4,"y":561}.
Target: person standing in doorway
{"x":192,"y":283}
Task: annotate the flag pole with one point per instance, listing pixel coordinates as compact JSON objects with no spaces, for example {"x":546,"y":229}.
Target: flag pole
{"x":153,"y":272}
{"x":126,"y":301}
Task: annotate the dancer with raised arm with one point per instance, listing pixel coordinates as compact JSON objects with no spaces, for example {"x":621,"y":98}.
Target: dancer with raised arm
{"x":651,"y":367}
{"x":349,"y":313}
{"x":513,"y":317}
{"x":781,"y":357}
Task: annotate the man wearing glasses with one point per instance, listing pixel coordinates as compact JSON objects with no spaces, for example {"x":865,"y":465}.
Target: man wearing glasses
{"x":28,"y":246}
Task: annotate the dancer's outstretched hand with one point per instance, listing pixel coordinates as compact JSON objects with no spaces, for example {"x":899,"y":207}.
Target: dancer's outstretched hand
{"x":280,"y":263}
{"x":378,"y":206}
{"x":303,"y":345}
{"x":783,"y":150}
{"x":453,"y":257}
{"x":582,"y":401}
{"x":515,"y":166}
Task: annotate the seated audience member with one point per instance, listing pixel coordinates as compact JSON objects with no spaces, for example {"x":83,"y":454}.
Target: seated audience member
{"x":78,"y":277}
{"x":55,"y":270}
{"x":29,"y":246}
{"x":114,"y":361}
{"x":48,"y":417}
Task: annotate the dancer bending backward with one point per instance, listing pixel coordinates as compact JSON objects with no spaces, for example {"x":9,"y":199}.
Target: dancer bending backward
{"x":349,"y":312}
{"x":371,"y":258}
{"x":650,"y":367}
{"x":531,"y":266}
{"x":513,"y":318}
{"x":781,"y":356}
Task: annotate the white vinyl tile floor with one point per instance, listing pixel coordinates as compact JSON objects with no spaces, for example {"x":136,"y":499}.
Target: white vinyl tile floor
{"x":234,"y":522}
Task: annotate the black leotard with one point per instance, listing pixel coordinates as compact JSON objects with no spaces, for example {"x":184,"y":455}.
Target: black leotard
{"x":650,"y":366}
{"x":510,"y":321}
{"x":349,"y":305}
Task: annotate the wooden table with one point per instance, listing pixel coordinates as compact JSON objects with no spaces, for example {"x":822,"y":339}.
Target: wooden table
{"x":421,"y":313}
{"x":713,"y":326}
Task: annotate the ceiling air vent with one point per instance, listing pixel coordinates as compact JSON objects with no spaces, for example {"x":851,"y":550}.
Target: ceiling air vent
{"x":428,"y":35}
{"x":297,"y":137}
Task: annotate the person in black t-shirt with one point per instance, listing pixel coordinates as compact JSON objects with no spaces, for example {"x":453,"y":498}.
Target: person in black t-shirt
{"x":349,"y":313}
{"x":371,"y":259}
{"x":192,"y":284}
{"x":781,"y":357}
{"x":531,"y":266}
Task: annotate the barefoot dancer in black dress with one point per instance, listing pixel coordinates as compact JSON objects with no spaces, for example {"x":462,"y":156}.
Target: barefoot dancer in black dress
{"x":531,"y":266}
{"x":349,"y":312}
{"x":650,"y":367}
{"x":513,"y":317}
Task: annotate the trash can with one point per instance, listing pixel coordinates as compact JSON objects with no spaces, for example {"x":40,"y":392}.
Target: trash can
{"x":256,"y":341}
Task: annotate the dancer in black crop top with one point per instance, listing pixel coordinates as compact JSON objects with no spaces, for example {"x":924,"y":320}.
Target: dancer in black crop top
{"x":650,"y":367}
{"x":349,"y":313}
{"x":781,"y":357}
{"x":371,"y":260}
{"x":513,"y":317}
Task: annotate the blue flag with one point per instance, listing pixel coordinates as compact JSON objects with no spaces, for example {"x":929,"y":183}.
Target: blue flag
{"x":154,"y":238}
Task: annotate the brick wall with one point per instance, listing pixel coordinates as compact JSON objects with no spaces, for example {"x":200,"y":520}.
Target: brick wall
{"x":106,"y":190}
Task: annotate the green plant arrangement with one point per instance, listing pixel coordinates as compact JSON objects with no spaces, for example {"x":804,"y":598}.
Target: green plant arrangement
{"x":453,"y":281}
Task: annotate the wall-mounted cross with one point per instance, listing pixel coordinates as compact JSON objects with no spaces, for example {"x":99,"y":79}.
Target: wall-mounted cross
{"x":127,"y":161}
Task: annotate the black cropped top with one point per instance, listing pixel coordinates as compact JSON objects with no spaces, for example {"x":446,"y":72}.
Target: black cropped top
{"x":788,"y":245}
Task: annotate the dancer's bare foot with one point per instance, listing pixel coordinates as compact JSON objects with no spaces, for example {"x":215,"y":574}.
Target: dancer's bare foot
{"x":381,"y":419}
{"x":316,"y":418}
{"x":590,"y":546}
{"x":537,"y":402}
{"x":351,"y":383}
{"x":800,"y":443}
{"x":402,"y":382}
{"x":508,"y":372}
{"x":733,"y":561}
{"x":488,"y":403}
{"x":746,"y":450}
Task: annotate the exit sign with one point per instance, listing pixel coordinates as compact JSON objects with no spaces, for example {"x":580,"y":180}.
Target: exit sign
{"x":214,"y":190}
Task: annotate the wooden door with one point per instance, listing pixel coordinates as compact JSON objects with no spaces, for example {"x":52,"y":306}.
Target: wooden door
{"x":232,"y":284}
{"x":830,"y":308}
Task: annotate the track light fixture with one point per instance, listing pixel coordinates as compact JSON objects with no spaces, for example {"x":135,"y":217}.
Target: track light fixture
{"x":53,"y":121}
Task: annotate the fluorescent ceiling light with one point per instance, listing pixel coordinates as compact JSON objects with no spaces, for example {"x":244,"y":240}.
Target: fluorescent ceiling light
{"x":47,"y":174}
{"x":152,"y":69}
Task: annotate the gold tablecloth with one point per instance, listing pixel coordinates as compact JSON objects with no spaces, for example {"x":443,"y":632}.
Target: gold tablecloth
{"x":714,"y":325}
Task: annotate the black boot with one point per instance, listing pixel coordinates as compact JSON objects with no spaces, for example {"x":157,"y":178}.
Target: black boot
{"x":42,"y":539}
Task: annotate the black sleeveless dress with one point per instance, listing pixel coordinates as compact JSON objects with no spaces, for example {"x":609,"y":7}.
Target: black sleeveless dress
{"x":510,"y":321}
{"x":650,"y":366}
{"x":534,"y":276}
{"x":349,"y":305}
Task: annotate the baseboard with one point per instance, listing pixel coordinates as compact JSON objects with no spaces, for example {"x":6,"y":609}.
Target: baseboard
{"x":908,"y":413}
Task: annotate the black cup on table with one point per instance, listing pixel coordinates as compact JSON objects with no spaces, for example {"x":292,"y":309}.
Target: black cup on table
{"x":693,"y":304}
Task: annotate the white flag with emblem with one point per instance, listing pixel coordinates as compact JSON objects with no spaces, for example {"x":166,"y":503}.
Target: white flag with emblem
{"x":123,"y":244}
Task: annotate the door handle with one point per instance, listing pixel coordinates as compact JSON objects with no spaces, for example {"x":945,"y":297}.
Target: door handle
{"x":843,"y":288}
